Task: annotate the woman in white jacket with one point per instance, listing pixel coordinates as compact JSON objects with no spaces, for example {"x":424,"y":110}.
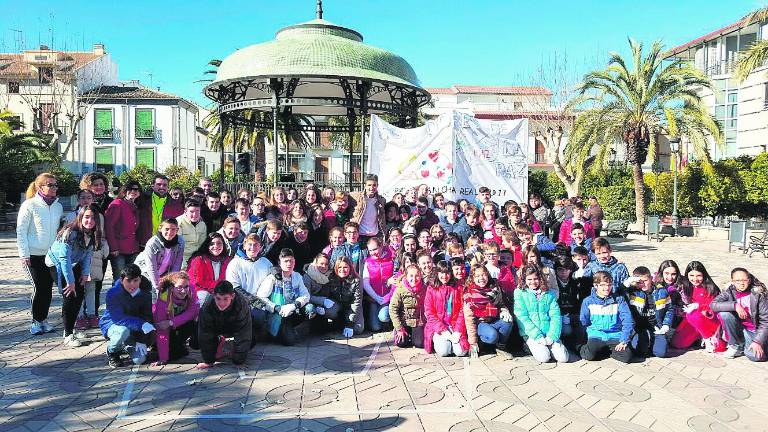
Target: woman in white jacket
{"x":36,"y":228}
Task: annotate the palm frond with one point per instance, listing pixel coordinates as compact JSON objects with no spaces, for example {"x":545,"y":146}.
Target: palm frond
{"x":754,"y":57}
{"x":755,"y":17}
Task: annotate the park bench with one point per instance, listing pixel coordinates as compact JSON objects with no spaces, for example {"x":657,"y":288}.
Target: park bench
{"x":759,"y":244}
{"x":615,"y":228}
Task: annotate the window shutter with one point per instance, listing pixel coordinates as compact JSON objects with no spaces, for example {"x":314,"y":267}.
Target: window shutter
{"x":144,"y":123}
{"x":146,"y":157}
{"x":103,"y":123}
{"x":104,"y":156}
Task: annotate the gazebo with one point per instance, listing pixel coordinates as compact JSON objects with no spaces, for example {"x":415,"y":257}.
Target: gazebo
{"x":312,"y":69}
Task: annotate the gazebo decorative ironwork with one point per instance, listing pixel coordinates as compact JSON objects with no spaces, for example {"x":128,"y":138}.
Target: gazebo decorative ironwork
{"x":315,"y":68}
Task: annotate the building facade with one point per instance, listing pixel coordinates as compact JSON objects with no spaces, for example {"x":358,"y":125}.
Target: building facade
{"x":741,"y":108}
{"x":500,"y":103}
{"x":130,"y":124}
{"x":41,"y":86}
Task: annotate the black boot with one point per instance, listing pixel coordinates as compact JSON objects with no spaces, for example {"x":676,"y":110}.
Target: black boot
{"x":114,"y":359}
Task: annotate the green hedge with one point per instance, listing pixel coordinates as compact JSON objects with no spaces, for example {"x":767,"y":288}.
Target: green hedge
{"x":737,"y":186}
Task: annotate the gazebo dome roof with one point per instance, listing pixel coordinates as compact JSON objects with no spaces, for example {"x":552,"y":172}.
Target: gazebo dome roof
{"x":317,"y":48}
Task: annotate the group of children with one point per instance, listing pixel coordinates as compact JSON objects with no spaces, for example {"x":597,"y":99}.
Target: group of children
{"x":466,"y":282}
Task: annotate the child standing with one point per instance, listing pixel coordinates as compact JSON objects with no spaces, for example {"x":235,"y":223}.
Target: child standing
{"x":607,"y":263}
{"x":538,"y":317}
{"x":697,"y":290}
{"x":743,"y":310}
{"x":89,"y":314}
{"x":379,"y":267}
{"x":406,"y":309}
{"x":608,"y":321}
{"x":163,"y":254}
{"x":69,"y":264}
{"x":487,"y":312}
{"x":445,"y":331}
{"x":652,"y":312}
{"x":579,"y":238}
{"x":572,"y":292}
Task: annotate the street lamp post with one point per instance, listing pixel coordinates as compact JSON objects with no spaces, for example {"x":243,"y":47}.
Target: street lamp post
{"x":674,"y":146}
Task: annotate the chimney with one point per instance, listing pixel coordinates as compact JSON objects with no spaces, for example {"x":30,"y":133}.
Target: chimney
{"x":98,"y":49}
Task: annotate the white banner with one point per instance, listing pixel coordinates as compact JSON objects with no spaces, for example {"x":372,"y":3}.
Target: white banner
{"x":454,"y":154}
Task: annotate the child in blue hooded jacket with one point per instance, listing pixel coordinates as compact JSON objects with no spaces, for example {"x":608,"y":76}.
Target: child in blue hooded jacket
{"x":608,"y":321}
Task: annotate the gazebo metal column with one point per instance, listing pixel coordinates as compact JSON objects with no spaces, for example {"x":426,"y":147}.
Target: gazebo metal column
{"x":276,"y":86}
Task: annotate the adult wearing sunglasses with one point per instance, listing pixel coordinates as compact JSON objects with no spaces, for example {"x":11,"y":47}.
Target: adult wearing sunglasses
{"x":122,"y":218}
{"x":36,"y":228}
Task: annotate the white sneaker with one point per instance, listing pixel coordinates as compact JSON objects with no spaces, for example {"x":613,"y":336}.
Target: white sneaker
{"x":71,"y":341}
{"x":733,"y":351}
{"x":47,"y":327}
{"x":37,"y":328}
{"x":80,"y":335}
{"x":709,"y":344}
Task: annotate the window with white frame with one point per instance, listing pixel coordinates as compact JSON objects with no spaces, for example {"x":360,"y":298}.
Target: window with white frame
{"x":727,"y":112}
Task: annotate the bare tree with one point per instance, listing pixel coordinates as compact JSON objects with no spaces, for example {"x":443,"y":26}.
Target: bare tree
{"x":552,"y":119}
{"x":52,"y":84}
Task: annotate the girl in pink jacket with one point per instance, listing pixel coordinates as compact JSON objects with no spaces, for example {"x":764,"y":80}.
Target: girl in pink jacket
{"x":445,"y":331}
{"x":174,"y":314}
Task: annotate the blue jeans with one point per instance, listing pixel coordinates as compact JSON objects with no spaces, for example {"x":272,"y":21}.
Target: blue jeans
{"x":119,"y":262}
{"x":376,"y":314}
{"x":491,"y":333}
{"x":645,"y":339}
{"x":121,"y":338}
{"x":738,"y":336}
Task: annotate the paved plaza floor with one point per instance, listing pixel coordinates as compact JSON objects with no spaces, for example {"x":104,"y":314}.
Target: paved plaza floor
{"x":333,"y":384}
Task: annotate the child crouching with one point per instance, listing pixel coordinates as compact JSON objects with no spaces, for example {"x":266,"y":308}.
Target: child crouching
{"x":743,"y":311}
{"x":345,"y":292}
{"x":406,"y":309}
{"x":608,"y":321}
{"x":445,"y":332}
{"x":538,"y":316}
{"x":487,"y":311}
{"x":174,"y":316}
{"x":285,"y":302}
{"x":652,"y":311}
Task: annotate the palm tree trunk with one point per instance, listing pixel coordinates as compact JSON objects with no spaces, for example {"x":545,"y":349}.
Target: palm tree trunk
{"x":637,"y":177}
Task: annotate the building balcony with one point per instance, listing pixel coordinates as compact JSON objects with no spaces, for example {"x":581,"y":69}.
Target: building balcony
{"x":725,"y":67}
{"x":104,"y":134}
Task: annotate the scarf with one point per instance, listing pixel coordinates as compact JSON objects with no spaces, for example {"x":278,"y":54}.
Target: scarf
{"x":479,"y":300}
{"x":174,"y":305}
{"x":315,"y":275}
{"x":218,"y":258}
{"x":168,"y":243}
{"x":47,"y":200}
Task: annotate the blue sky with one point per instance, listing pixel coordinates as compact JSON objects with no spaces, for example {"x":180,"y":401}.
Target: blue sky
{"x":168,"y":43}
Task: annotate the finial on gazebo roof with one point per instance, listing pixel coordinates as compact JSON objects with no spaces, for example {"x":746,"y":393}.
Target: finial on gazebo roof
{"x":319,"y":9}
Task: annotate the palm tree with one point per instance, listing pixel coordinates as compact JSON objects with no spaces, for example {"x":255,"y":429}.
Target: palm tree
{"x":633,"y":104}
{"x":757,"y":54}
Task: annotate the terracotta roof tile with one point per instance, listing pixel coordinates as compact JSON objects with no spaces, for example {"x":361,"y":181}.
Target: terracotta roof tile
{"x":12,"y":65}
{"x":129,"y":92}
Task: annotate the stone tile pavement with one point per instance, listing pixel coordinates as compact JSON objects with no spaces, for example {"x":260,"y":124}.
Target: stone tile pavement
{"x":331,"y":384}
